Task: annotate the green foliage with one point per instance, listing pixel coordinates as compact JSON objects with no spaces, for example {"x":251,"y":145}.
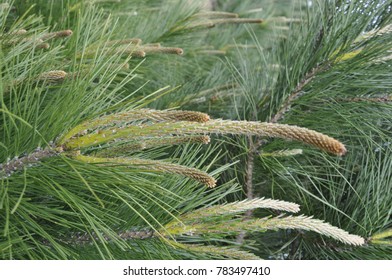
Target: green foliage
{"x":324,"y":66}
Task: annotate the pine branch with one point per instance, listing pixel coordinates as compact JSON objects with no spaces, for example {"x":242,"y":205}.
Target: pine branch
{"x":304,"y":135}
{"x":249,"y":169}
{"x":215,"y":14}
{"x":81,"y":239}
{"x":156,"y":165}
{"x":19,"y":163}
{"x":54,"y":76}
{"x":57,"y":34}
{"x":308,"y":223}
{"x":149,"y":143}
{"x":227,"y":252}
{"x":249,"y":164}
{"x":241,"y":207}
{"x":297,"y":92}
{"x":282,"y":153}
{"x":140,"y":114}
{"x":188,"y":225}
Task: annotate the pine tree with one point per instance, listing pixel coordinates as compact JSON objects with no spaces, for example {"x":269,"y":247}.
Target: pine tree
{"x":195,"y":129}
